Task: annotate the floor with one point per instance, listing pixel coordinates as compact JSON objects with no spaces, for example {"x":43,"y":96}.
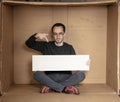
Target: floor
{"x":89,"y":93}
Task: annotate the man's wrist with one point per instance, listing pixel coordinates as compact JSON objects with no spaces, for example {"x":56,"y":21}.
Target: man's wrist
{"x":35,"y":35}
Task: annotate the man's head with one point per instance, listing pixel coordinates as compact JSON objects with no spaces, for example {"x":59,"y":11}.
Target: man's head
{"x":58,"y":32}
{"x":59,"y":25}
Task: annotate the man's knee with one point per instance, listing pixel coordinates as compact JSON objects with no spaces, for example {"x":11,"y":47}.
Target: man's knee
{"x":81,"y":75}
{"x":37,"y":74}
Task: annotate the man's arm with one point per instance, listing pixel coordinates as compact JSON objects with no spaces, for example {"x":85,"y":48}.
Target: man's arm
{"x":42,"y":36}
{"x":33,"y":42}
{"x":72,"y":51}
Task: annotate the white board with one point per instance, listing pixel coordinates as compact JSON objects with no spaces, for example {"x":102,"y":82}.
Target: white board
{"x":60,"y":62}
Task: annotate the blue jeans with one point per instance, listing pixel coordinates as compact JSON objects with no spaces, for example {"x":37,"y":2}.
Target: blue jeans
{"x":58,"y":81}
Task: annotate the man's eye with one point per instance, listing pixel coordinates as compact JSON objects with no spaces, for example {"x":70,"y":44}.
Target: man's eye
{"x":61,"y":33}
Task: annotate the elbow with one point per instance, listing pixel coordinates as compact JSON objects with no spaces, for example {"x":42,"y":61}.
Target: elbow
{"x":27,"y":44}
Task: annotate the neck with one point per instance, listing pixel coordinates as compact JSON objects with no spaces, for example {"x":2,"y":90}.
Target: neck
{"x":59,"y":44}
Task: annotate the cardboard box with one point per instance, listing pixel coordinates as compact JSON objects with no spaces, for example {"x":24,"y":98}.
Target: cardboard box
{"x":92,"y":28}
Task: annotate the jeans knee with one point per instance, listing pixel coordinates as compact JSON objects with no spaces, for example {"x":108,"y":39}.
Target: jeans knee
{"x":36,"y":74}
{"x":81,"y":75}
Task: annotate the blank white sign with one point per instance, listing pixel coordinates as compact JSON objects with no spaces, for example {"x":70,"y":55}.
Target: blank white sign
{"x":60,"y":62}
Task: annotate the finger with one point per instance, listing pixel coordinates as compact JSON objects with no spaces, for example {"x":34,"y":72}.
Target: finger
{"x":46,"y":39}
{"x":88,"y":63}
{"x":45,"y":34}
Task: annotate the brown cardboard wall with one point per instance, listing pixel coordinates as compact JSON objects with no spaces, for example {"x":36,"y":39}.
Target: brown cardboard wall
{"x":119,"y":50}
{"x":0,"y":48}
{"x":86,"y":31}
{"x":7,"y":47}
{"x":112,"y":47}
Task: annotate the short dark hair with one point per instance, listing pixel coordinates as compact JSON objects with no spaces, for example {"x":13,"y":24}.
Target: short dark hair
{"x":57,"y":25}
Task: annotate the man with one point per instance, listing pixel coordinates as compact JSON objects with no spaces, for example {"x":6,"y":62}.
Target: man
{"x":58,"y":81}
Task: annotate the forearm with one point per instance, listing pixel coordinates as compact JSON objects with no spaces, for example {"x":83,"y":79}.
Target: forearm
{"x":36,"y":42}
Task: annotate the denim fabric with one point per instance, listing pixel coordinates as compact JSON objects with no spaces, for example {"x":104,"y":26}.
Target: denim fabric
{"x":58,"y":81}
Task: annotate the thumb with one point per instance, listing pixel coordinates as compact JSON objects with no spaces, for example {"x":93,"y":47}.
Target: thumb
{"x":46,"y":38}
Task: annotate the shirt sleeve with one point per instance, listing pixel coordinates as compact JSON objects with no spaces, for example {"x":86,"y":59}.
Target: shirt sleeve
{"x":72,"y":51}
{"x":31,"y":43}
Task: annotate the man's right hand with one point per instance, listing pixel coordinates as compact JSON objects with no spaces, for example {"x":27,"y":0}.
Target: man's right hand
{"x":42,"y":36}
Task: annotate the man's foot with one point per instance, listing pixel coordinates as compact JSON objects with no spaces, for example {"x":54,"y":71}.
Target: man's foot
{"x":72,"y":90}
{"x":45,"y":89}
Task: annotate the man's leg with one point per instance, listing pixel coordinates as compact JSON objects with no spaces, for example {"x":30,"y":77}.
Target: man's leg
{"x":60,"y":82}
{"x":46,"y":80}
{"x":74,"y":79}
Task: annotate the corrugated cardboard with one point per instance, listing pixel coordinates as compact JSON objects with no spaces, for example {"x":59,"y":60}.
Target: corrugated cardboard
{"x":91,"y":29}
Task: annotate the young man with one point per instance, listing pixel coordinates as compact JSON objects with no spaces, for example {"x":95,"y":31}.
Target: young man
{"x":58,"y":81}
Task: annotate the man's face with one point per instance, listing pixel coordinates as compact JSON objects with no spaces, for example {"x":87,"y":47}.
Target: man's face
{"x":58,"y":34}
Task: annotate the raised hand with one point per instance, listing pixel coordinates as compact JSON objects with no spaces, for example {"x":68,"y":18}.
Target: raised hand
{"x":42,"y":36}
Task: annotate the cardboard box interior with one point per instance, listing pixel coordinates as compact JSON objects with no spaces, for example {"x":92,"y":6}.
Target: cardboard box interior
{"x":91,"y":30}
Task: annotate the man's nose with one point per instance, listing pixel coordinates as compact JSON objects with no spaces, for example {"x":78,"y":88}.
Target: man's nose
{"x":58,"y":35}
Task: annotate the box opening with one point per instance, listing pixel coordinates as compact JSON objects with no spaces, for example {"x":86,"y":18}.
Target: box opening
{"x":91,"y":30}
